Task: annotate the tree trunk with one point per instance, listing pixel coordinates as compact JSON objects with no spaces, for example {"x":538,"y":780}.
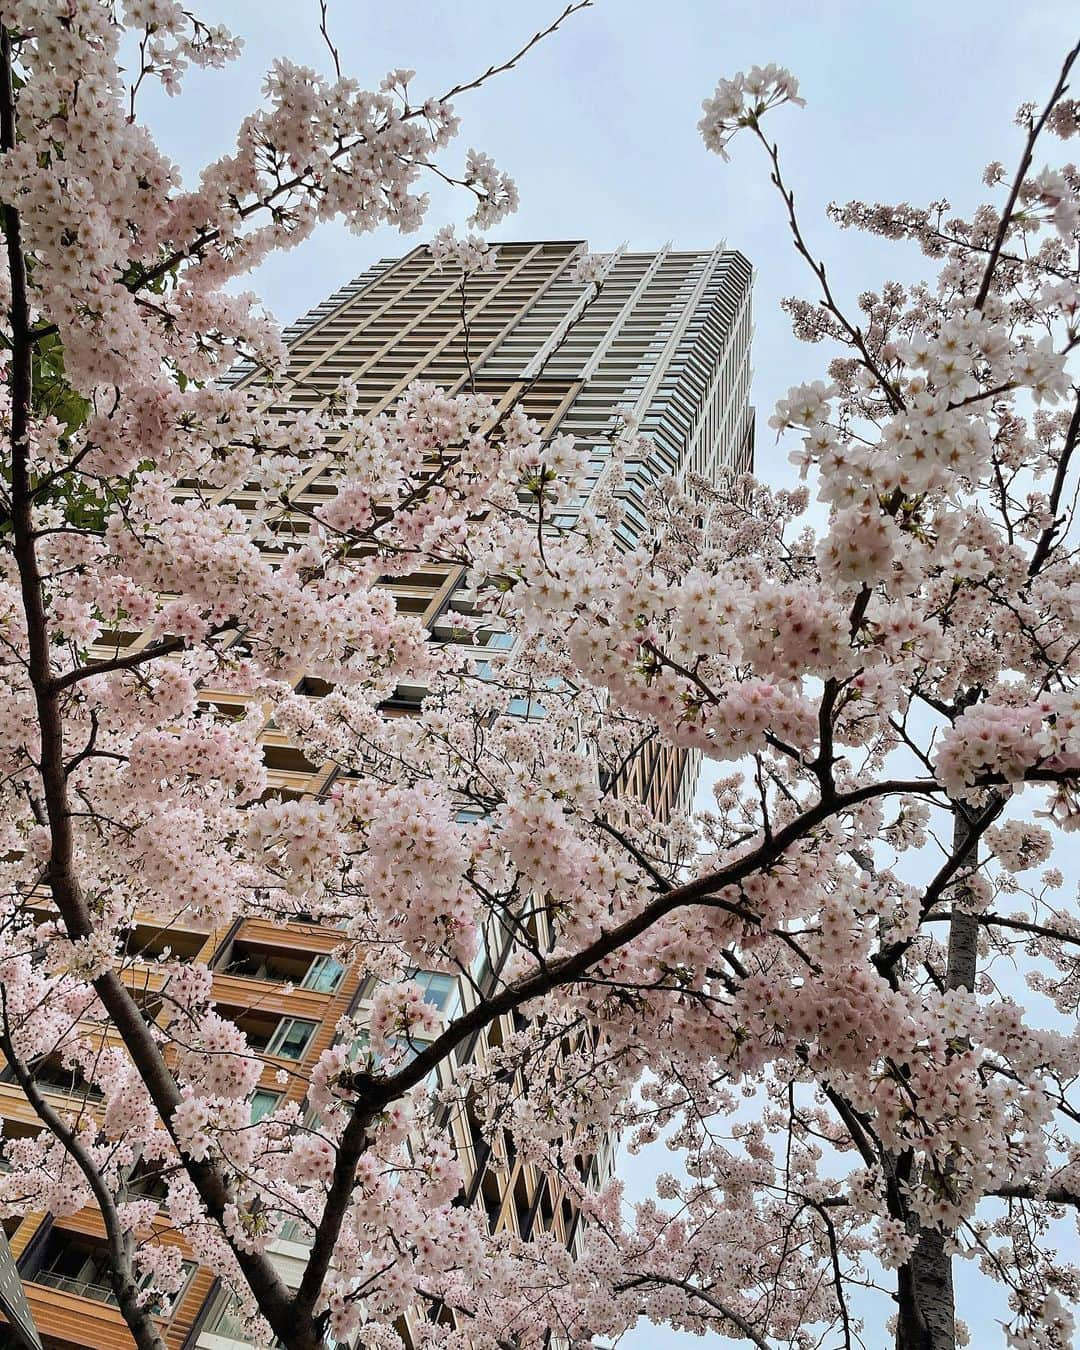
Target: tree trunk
{"x":927,"y":1315}
{"x":927,"y":1318}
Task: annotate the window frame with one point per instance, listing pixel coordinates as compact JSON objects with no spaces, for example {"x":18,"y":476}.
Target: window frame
{"x":320,"y":963}
{"x":279,"y":1034}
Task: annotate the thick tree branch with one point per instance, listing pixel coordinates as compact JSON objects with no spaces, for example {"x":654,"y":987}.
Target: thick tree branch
{"x":374,"y":1094}
{"x":695,"y":1291}
{"x":1053,"y":1195}
{"x":962,"y":850}
{"x":132,"y":661}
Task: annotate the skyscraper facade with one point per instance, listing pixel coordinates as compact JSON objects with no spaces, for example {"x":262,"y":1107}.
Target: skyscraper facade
{"x":668,"y":339}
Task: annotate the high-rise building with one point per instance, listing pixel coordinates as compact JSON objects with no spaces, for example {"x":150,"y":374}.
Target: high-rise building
{"x":668,"y":337}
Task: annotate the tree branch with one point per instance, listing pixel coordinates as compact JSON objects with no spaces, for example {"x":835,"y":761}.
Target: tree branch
{"x":166,"y":647}
{"x":1018,"y":181}
{"x":121,"y":1273}
{"x":695,"y":1291}
{"x":215,"y":1192}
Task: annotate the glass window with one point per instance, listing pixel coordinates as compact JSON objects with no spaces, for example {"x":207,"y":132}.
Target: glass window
{"x":158,"y":1301}
{"x":481,"y":968}
{"x":524,"y":707}
{"x":296,"y":1230}
{"x":323,"y":975}
{"x":80,"y":1266}
{"x":360,"y":1047}
{"x":263,"y":1102}
{"x":409,"y":1047}
{"x":291,"y":1038}
{"x":149,"y":1179}
{"x":226,"y":1320}
{"x":439,"y":989}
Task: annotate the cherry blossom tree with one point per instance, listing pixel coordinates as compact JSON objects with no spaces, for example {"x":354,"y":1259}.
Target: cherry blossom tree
{"x":840,"y":993}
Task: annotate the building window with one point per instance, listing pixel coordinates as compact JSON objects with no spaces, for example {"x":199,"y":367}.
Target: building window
{"x":282,"y":966}
{"x":323,"y":975}
{"x":263,"y":1101}
{"x":51,"y":1073}
{"x":525,"y":707}
{"x":439,"y":990}
{"x":149,"y":1179}
{"x":407,"y":1047}
{"x":295,"y":1230}
{"x":291,"y":1038}
{"x":226,"y":1320}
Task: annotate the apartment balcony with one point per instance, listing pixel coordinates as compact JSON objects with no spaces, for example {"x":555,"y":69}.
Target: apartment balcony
{"x":265,"y":984}
{"x":72,"y":1301}
{"x":238,"y":992}
{"x":65,"y":1318}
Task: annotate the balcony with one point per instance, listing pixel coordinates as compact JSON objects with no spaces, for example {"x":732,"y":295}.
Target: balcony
{"x":68,"y":1319}
{"x":270,"y":1036}
{"x":318,"y":973}
{"x":77,"y":1264}
{"x":70,"y":1296}
{"x":100,"y":1293}
{"x":58,"y":1079}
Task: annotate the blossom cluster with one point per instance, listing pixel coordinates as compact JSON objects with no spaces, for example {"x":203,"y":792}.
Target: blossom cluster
{"x":739,"y":102}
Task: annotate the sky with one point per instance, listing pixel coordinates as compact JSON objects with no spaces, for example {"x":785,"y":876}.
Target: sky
{"x":907,"y":100}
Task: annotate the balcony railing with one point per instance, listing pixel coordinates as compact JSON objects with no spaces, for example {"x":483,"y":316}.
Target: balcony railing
{"x":101,"y":1293}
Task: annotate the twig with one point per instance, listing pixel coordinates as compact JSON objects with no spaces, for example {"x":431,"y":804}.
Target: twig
{"x":325,"y":31}
{"x":536,"y":38}
{"x":1018,"y":181}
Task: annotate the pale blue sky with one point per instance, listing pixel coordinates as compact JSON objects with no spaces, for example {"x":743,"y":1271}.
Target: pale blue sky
{"x":906,"y":101}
